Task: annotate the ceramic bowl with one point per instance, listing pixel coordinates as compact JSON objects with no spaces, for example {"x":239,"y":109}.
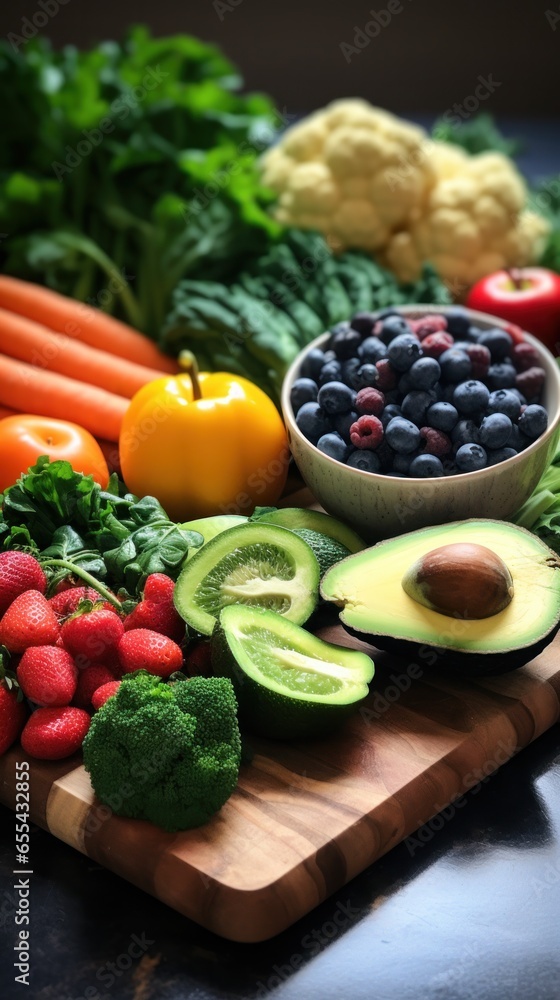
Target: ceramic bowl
{"x":380,"y":506}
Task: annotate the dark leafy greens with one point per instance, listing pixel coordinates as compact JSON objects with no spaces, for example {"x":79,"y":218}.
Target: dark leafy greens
{"x":67,"y":520}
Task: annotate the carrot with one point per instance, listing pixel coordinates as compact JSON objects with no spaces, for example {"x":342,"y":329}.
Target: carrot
{"x":24,"y":387}
{"x":27,"y":341}
{"x":81,"y":322}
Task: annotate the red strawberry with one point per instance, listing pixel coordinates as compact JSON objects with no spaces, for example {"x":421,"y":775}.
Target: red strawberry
{"x":92,"y":636}
{"x":54,"y":733}
{"x":143,"y":649}
{"x":13,"y":714}
{"x":19,"y":572}
{"x":66,"y":602}
{"x":47,"y":675}
{"x":88,"y":681}
{"x":156,"y":610}
{"x":29,"y":621}
{"x":103,"y":693}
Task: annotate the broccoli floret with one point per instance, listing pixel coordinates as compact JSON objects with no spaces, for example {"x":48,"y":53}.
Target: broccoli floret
{"x":168,"y":753}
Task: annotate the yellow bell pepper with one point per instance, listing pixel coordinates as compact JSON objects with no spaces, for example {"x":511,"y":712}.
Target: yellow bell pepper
{"x":204,"y":444}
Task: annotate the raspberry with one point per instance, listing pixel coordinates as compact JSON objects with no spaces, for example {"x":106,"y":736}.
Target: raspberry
{"x":386,"y":375}
{"x":435,"y":442}
{"x":366,"y":432}
{"x":369,"y":401}
{"x":525,"y":356}
{"x":480,"y":359}
{"x":436,"y":343}
{"x":530,"y":382}
{"x":427,"y":325}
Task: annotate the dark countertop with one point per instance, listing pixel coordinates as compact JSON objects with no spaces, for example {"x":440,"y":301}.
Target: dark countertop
{"x":469,"y":908}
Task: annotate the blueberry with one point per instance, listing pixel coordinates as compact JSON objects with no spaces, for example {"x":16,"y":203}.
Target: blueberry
{"x":342,"y":422}
{"x":465,"y":432}
{"x":471,"y":397}
{"x":515,"y":439}
{"x":304,"y":390}
{"x":402,"y":435}
{"x":312,"y":364}
{"x":393,"y":326}
{"x":345,"y":343}
{"x":447,"y":393}
{"x":495,"y":430}
{"x":364,"y":322}
{"x":498,"y":342}
{"x":390,"y":411}
{"x":533,"y":421}
{"x":470,"y":457}
{"x":331,"y":372}
{"x":333,"y":446}
{"x":312,"y":422}
{"x":519,"y":395}
{"x":371,"y":350}
{"x":500,"y":455}
{"x":424,"y":373}
{"x":473,"y":334}
{"x":405,"y":384}
{"x":425,"y":467}
{"x":505,"y":401}
{"x":330,"y":356}
{"x":366,"y":375}
{"x":349,"y":370}
{"x":364,"y":459}
{"x":415,"y":405}
{"x":335,"y":397}
{"x":455,"y":365}
{"x":403,"y":351}
{"x":501,"y":375}
{"x":401,"y":462}
{"x":457,"y":321}
{"x":442,"y":416}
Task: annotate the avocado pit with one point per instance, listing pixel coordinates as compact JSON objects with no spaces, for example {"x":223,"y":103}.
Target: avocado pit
{"x":461,"y":580}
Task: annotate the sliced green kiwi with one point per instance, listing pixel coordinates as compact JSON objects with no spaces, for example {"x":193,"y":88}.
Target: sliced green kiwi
{"x":253,"y":564}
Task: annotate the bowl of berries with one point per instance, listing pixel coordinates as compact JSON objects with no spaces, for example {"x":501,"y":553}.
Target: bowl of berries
{"x":420,"y":415}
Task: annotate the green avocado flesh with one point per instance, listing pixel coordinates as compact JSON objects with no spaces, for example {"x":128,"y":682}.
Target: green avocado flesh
{"x":295,"y":518}
{"x":368,"y":588}
{"x":254,"y":564}
{"x":289,"y":684}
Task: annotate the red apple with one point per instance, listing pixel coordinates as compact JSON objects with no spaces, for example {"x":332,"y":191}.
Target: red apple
{"x":528,"y":297}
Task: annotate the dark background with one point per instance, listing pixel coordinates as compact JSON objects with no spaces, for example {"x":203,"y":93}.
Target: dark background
{"x":427,"y":58}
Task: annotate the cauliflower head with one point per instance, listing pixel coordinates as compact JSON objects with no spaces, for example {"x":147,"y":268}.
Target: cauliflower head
{"x":351,"y":171}
{"x":474,"y":221}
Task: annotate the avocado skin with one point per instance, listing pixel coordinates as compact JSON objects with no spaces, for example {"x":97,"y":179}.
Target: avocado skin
{"x":456,"y":663}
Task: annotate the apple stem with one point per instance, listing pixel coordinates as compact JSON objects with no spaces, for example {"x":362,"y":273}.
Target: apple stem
{"x":515,"y":277}
{"x":188,"y":363}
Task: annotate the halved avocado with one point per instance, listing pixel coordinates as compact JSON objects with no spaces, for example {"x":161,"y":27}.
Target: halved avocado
{"x":368,"y":586}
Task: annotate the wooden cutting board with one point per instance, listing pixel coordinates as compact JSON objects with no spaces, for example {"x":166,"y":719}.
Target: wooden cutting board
{"x":308,"y":817}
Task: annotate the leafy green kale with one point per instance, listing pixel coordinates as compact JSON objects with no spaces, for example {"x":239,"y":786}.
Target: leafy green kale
{"x":165,"y":752}
{"x":66,"y":518}
{"x":140,"y":169}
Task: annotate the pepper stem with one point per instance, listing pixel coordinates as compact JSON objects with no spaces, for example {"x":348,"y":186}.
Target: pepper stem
{"x":188,"y":363}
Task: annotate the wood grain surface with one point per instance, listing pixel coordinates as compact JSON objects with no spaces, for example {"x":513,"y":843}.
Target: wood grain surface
{"x":307,"y":817}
